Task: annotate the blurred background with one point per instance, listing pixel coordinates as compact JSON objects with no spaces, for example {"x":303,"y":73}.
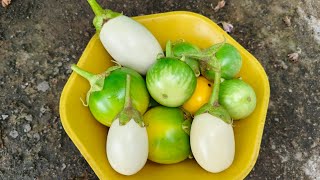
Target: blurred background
{"x":39,"y":40}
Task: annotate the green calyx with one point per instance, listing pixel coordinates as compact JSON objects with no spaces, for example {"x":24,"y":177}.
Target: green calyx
{"x":186,"y":125}
{"x":102,"y":15}
{"x":179,"y":48}
{"x":205,"y":54}
{"x":200,"y":61}
{"x":217,"y":111}
{"x":194,"y":64}
{"x":96,"y":81}
{"x":169,"y":49}
{"x":213,"y":107}
{"x":129,"y":112}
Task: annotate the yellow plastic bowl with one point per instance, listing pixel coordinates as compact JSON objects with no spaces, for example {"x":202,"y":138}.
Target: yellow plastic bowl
{"x":90,"y":136}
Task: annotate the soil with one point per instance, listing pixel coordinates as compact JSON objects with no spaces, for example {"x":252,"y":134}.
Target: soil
{"x":40,"y":39}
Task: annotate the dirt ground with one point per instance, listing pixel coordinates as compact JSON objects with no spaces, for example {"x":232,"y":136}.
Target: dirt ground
{"x":40,"y":39}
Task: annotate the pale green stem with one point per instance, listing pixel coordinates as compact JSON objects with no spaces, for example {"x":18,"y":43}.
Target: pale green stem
{"x":214,"y":99}
{"x":97,"y":9}
{"x":88,"y":76}
{"x":127,"y":101}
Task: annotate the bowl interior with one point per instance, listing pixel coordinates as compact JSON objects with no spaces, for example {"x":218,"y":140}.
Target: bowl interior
{"x":90,"y":136}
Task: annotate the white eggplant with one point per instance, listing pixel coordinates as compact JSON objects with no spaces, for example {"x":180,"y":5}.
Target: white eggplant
{"x":127,"y":141}
{"x":212,"y":142}
{"x":130,"y":43}
{"x":211,"y":135}
{"x":127,"y":147}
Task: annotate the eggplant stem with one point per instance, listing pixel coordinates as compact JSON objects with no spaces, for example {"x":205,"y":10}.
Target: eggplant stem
{"x":96,"y":81}
{"x":199,"y":56}
{"x":169,"y":49}
{"x":96,"y":8}
{"x":127,"y":101}
{"x":129,"y":112}
{"x":101,"y":15}
{"x":214,"y":99}
{"x":215,"y":48}
{"x":85,"y":74}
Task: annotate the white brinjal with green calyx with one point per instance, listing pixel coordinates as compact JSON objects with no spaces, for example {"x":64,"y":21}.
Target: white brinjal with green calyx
{"x":211,"y":135}
{"x":127,"y":140}
{"x":126,"y":40}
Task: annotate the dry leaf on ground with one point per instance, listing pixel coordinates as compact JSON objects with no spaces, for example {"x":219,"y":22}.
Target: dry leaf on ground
{"x":5,"y":3}
{"x":219,"y":5}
